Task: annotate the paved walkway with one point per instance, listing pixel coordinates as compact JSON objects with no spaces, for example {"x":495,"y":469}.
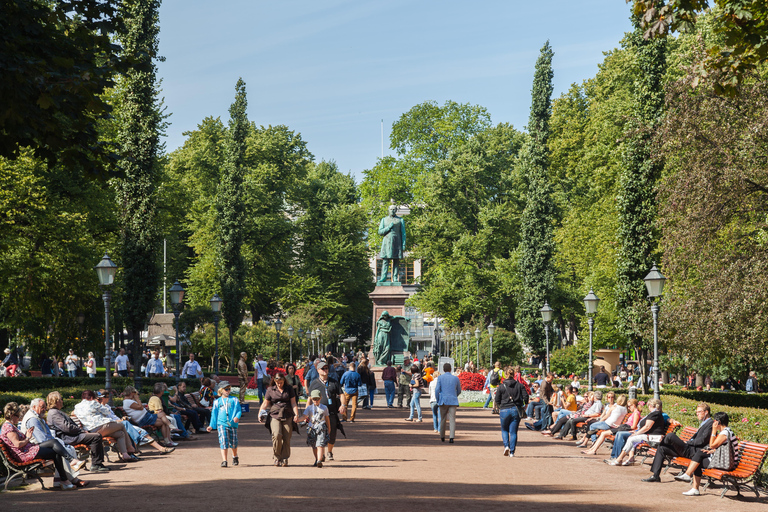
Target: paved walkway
{"x":385,"y":464}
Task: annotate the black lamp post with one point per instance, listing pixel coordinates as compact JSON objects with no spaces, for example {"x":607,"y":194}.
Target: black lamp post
{"x":546,"y":315}
{"x":290,"y":340}
{"x":319,"y":336}
{"x":654,"y":282}
{"x":590,"y":304}
{"x":491,"y":330}
{"x":177,"y":301}
{"x":301,"y":335}
{"x":467,"y":338}
{"x":216,"y":308}
{"x":477,"y":347}
{"x":106,"y":270}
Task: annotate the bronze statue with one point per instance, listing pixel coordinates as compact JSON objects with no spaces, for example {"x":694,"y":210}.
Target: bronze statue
{"x":389,"y":337}
{"x":392,"y":228}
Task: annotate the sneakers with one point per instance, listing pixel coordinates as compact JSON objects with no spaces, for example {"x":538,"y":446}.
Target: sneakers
{"x":224,"y":464}
{"x":98,"y":468}
{"x":235,"y":461}
{"x":66,"y":486}
{"x":418,"y":420}
{"x":408,"y":419}
{"x":506,"y":452}
{"x":683,"y":477}
{"x":612,"y":462}
{"x":629,"y":462}
{"x":511,"y":454}
{"x":692,"y":492}
{"x":319,"y":464}
{"x":450,"y":441}
{"x":329,"y":456}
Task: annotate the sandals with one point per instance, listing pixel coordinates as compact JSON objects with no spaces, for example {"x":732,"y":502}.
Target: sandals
{"x":587,"y":452}
{"x":168,"y":450}
{"x":80,"y":484}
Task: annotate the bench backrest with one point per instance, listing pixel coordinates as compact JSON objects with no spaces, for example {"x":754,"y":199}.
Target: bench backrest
{"x":687,"y":434}
{"x":752,"y":455}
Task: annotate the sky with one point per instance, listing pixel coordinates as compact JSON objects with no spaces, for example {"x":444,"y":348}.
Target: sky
{"x":332,"y":70}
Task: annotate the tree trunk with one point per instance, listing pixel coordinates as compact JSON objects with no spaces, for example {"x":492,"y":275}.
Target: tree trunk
{"x":231,"y":349}
{"x":699,"y":380}
{"x":643,"y":369}
{"x":665,"y":377}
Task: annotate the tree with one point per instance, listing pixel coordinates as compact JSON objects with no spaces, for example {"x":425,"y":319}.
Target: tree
{"x":230,"y":216}
{"x":638,"y":234}
{"x":537,"y":245}
{"x":139,"y":125}
{"x":742,"y":26}
{"x":57,"y":60}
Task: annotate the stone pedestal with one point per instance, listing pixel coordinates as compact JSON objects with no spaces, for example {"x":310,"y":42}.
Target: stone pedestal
{"x":389,"y":297}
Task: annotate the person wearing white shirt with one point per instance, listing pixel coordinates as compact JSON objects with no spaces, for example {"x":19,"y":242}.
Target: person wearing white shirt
{"x":191,"y":369}
{"x":260,"y":365}
{"x":122,"y":363}
{"x":96,"y":420}
{"x":154,"y":367}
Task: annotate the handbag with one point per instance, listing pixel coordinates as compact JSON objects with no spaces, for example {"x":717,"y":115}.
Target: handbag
{"x":362,"y":390}
{"x":724,"y":456}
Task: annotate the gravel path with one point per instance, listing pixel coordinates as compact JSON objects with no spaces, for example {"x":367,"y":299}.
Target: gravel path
{"x":385,"y":464}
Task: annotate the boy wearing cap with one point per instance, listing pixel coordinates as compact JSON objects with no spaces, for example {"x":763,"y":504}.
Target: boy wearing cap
{"x":318,"y":424}
{"x":225,"y":417}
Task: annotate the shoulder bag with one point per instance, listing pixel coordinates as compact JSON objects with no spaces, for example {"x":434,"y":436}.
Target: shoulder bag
{"x":724,"y":456}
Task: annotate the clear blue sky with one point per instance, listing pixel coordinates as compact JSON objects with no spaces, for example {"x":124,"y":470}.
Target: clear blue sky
{"x":333,"y":69}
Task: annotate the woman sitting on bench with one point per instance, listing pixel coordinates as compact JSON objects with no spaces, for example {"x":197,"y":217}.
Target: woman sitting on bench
{"x":702,"y":458}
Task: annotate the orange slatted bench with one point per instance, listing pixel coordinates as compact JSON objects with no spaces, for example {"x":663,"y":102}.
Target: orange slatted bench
{"x":23,"y":469}
{"x":751,"y":459}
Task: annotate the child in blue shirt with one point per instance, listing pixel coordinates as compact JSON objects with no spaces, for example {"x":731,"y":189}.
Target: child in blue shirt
{"x":318,"y":425}
{"x":225,"y":417}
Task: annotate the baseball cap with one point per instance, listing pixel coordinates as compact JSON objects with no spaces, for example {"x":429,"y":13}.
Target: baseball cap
{"x":315,"y":393}
{"x":224,"y":385}
{"x":322,"y":364}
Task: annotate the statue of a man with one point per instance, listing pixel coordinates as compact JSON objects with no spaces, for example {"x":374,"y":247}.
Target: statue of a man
{"x":382,"y":348}
{"x":392,"y":228}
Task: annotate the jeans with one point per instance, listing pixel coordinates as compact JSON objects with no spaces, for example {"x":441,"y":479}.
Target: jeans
{"x":260,"y":385}
{"x":599,"y":425}
{"x":530,"y":409}
{"x":620,"y":438}
{"x":72,"y":373}
{"x":491,"y":394}
{"x":371,"y":392}
{"x":510,"y":421}
{"x":435,"y":415}
{"x":91,"y":375}
{"x":389,"y":390}
{"x":415,"y":402}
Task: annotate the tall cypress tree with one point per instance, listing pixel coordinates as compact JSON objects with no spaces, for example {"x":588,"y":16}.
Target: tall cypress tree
{"x":230,"y":216}
{"x":537,"y":245}
{"x":636,"y":201}
{"x":139,"y":125}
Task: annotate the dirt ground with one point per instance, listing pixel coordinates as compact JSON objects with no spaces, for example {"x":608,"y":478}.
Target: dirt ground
{"x":384,"y":464}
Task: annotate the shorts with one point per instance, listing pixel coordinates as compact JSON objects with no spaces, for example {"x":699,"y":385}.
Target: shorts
{"x":318,"y":438}
{"x":227,"y":437}
{"x":149,"y":419}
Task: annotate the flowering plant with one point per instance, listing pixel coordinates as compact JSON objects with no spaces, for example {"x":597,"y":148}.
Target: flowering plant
{"x":471,"y":381}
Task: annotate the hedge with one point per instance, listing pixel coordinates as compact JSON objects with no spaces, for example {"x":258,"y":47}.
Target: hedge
{"x":16,"y":384}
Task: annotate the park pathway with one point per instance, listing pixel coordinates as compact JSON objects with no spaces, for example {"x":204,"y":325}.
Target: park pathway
{"x":385,"y":464}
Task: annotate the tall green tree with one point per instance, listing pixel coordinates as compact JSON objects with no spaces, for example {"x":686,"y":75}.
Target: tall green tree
{"x":230,"y":217}
{"x":139,"y":125}
{"x":537,"y":244}
{"x":638,"y":186}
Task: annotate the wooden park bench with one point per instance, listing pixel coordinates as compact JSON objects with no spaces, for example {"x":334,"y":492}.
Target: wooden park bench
{"x":650,"y":451}
{"x":751,"y":457}
{"x":16,"y":468}
{"x":670,"y":460}
{"x":107,"y":441}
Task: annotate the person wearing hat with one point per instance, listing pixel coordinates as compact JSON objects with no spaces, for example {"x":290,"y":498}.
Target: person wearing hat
{"x":279,"y":410}
{"x":10,"y":363}
{"x":331,"y":397}
{"x":225,"y":418}
{"x":318,"y":425}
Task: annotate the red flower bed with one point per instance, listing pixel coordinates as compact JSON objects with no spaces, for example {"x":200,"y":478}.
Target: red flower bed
{"x":471,"y":381}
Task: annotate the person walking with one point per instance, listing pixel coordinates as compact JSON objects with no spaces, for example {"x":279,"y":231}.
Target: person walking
{"x":260,"y":367}
{"x":447,"y":393}
{"x":242,"y":376}
{"x":333,"y":398}
{"x":350,"y":382}
{"x":389,"y":376}
{"x":191,"y":369}
{"x":404,"y":383}
{"x":318,"y":424}
{"x":495,"y":377}
{"x":225,"y":418}
{"x":510,"y":399}
{"x":279,"y":410}
{"x":416,"y":385}
{"x":72,"y":362}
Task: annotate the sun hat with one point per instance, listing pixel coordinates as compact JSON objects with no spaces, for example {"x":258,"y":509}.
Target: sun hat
{"x":315,"y":393}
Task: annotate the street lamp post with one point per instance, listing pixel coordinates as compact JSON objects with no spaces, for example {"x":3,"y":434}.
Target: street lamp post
{"x":106,"y":270}
{"x":311,"y":347}
{"x":177,"y":300}
{"x":319,"y":341}
{"x":290,"y":340}
{"x":467,"y":337}
{"x":477,"y":347}
{"x":491,"y":330}
{"x":654,"y":282}
{"x":590,"y":304}
{"x":301,"y":335}
{"x":546,"y":315}
{"x":278,"y":326}
{"x":216,"y":308}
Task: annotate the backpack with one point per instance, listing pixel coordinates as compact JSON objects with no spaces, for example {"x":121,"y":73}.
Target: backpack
{"x":495,"y":379}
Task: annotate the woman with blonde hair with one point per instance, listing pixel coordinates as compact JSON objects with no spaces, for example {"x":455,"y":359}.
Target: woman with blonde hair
{"x":650,"y":428}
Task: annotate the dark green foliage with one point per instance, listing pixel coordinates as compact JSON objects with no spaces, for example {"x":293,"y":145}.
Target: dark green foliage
{"x":537,"y":244}
{"x":230,"y":217}
{"x":139,"y":125}
{"x":56,"y":59}
{"x":636,"y":200}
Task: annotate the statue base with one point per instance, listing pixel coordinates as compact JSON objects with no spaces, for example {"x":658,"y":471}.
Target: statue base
{"x":387,"y":296}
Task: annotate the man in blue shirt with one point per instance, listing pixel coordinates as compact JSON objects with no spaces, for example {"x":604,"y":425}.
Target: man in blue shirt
{"x":154,"y":367}
{"x":447,"y":391}
{"x":350,"y":381}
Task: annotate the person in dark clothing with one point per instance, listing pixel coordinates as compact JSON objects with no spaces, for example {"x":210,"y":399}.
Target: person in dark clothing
{"x":510,"y":399}
{"x":602,"y":378}
{"x":673,"y":446}
{"x":67,"y":430}
{"x":333,"y":398}
{"x":389,"y":376}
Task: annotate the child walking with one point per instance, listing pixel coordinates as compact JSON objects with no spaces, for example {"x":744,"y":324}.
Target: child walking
{"x":225,"y":417}
{"x":318,"y":425}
